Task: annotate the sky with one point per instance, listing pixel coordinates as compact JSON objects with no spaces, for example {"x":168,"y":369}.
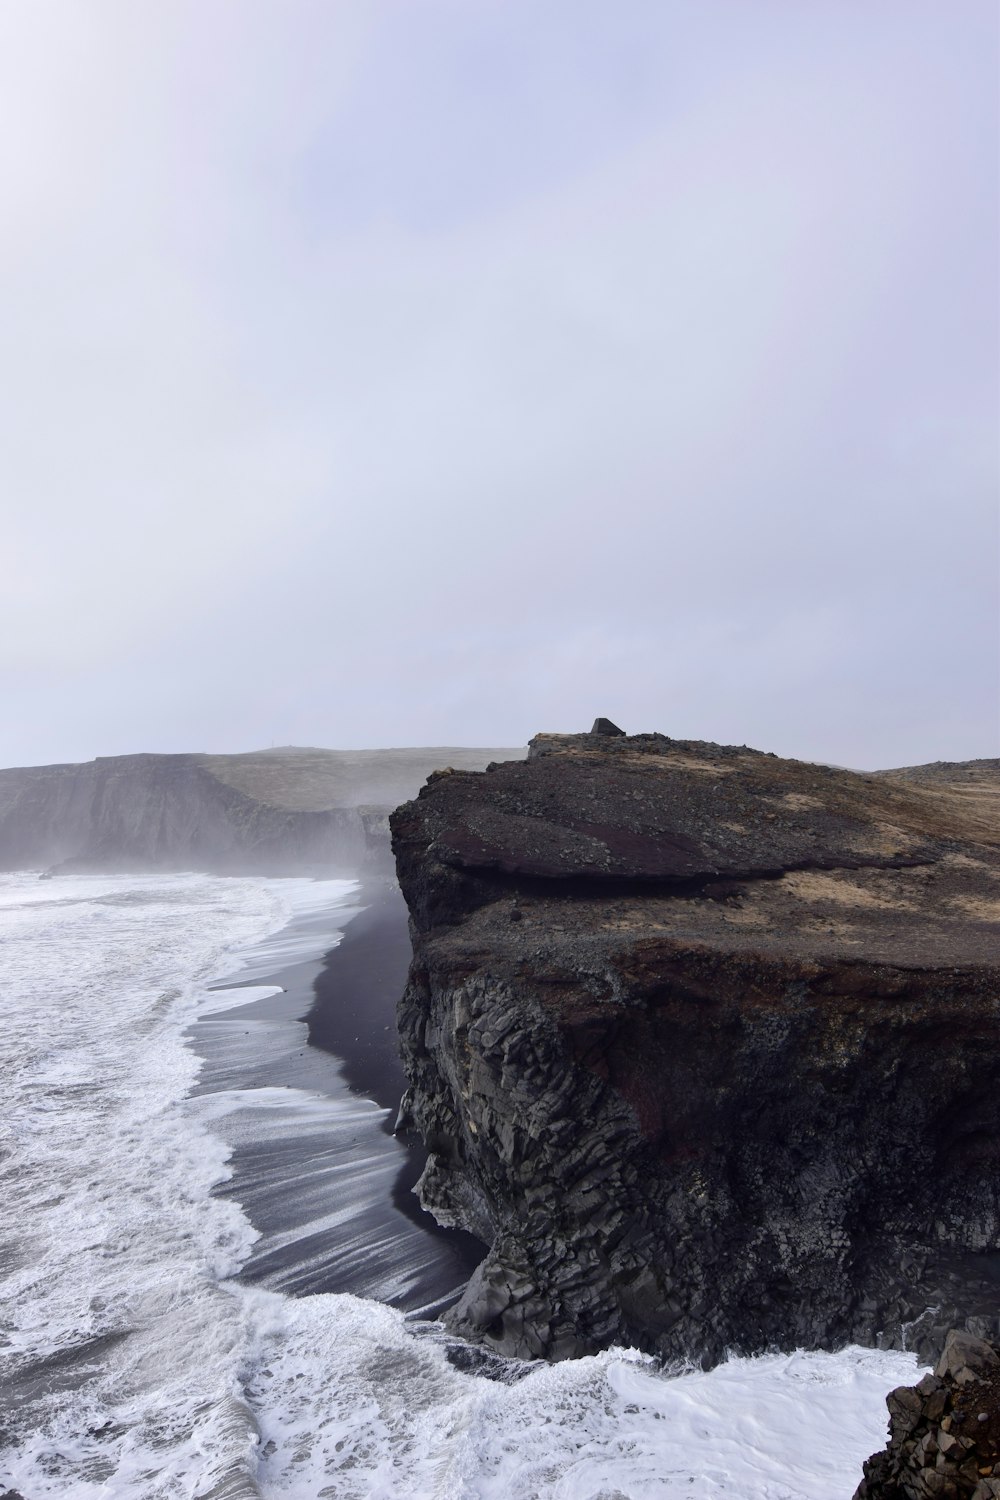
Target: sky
{"x":430,"y":372}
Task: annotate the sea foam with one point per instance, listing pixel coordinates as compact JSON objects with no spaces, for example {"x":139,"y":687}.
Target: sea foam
{"x":120,"y":1333}
{"x":354,"y":1404}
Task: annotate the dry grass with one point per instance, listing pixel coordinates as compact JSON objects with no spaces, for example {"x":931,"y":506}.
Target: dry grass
{"x":843,"y":890}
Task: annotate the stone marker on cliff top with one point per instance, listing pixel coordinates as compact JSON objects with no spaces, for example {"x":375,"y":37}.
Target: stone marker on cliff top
{"x":731,"y":1079}
{"x":605,"y":726}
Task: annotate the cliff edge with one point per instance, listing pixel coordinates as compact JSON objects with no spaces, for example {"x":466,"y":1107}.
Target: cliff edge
{"x":704,"y":1045}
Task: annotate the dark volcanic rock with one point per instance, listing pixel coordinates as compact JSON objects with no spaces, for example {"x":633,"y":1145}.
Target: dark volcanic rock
{"x":704,"y":1044}
{"x":944,"y":1433}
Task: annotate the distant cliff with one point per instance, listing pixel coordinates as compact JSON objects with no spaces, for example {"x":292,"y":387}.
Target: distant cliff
{"x":273,"y":811}
{"x":705,"y":1045}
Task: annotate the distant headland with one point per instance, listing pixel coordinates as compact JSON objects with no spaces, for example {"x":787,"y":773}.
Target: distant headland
{"x":285,"y":811}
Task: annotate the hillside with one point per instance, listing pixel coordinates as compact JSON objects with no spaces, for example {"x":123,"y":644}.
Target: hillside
{"x":271,"y":811}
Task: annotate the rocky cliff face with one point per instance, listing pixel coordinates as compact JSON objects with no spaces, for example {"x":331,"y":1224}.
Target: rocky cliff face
{"x":274,"y":812}
{"x":704,"y":1045}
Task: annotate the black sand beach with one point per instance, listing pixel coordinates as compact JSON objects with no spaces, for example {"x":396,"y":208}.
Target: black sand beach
{"x":353,"y":1014}
{"x":317,"y":1170}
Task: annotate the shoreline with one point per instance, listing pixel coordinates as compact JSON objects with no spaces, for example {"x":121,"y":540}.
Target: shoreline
{"x":353,"y":1010}
{"x":353,"y":1018}
{"x":311,"y":1083}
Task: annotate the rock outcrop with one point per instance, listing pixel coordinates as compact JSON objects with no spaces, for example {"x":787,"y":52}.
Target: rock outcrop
{"x":944,"y":1433}
{"x":285,"y":811}
{"x":705,"y":1045}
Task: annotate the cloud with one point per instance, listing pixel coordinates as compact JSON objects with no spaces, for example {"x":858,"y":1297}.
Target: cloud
{"x":382,"y":373}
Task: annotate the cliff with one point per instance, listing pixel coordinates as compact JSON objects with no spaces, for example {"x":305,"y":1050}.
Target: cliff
{"x":284,"y":811}
{"x":704,"y":1045}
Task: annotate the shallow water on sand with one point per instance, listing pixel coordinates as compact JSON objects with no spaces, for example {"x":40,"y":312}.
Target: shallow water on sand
{"x":314,"y":1165}
{"x":149,"y":1344}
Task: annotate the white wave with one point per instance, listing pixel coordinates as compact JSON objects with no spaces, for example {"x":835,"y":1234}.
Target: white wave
{"x":119,"y":1336}
{"x":353,"y":1404}
{"x":301,"y":899}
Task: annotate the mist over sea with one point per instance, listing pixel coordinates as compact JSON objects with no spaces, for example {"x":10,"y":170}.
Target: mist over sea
{"x":183,"y":1182}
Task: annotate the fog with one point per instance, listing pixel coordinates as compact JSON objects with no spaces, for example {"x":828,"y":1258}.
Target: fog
{"x":436,"y":373}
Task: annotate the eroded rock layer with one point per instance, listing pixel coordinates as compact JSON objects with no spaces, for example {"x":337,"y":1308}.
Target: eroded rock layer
{"x":704,"y":1045}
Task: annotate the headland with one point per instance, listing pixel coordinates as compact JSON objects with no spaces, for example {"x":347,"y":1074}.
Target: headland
{"x":704,"y":1044}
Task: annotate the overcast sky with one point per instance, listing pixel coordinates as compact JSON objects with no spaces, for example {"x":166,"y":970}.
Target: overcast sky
{"x":440,"y":371}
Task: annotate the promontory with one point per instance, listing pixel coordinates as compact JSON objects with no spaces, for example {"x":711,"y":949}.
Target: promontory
{"x":704,"y":1045}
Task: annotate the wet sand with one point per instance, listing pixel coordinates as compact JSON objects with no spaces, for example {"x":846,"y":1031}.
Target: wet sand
{"x":353,"y":1014}
{"x":311,"y":1085}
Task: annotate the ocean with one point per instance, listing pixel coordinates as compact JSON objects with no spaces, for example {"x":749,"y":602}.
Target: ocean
{"x":207,"y":1289}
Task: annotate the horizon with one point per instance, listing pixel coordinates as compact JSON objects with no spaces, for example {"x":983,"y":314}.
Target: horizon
{"x":380,"y":749}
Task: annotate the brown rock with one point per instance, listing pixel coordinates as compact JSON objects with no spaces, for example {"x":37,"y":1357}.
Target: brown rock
{"x":966,"y":1358}
{"x":945,"y":1459}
